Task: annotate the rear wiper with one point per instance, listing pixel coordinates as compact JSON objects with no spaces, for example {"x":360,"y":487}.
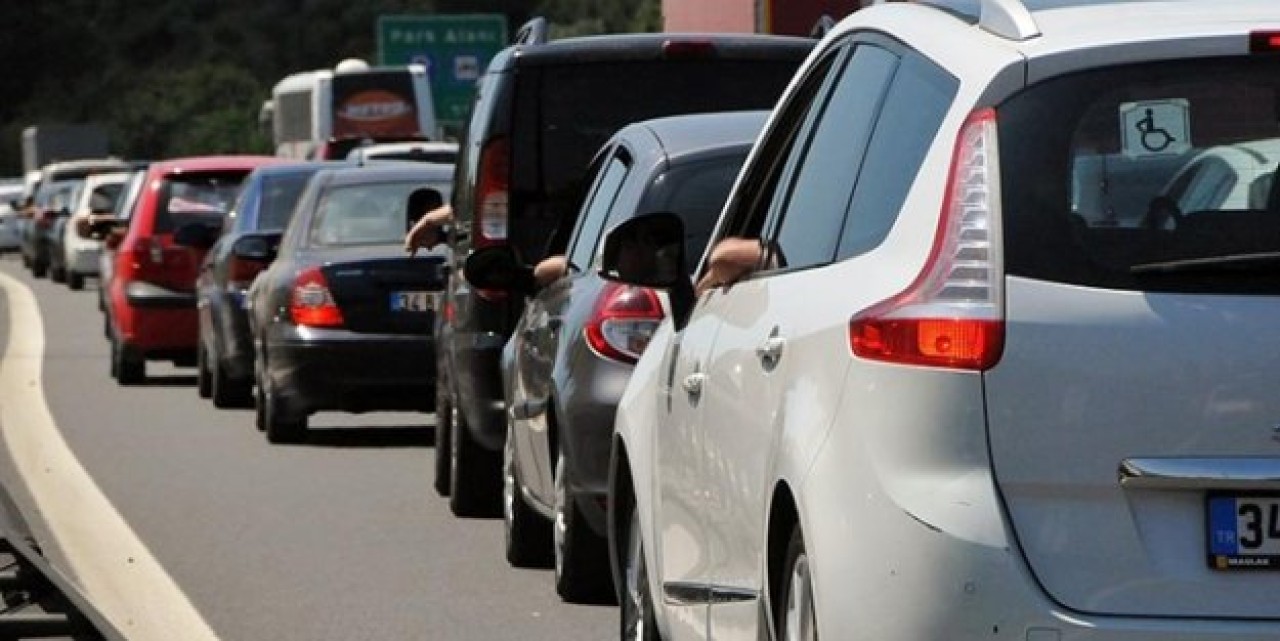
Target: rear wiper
{"x":1259,"y":261}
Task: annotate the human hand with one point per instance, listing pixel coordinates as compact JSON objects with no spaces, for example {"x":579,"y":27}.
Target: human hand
{"x":425,"y":233}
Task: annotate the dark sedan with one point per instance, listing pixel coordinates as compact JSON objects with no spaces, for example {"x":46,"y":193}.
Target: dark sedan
{"x":342,"y":319}
{"x":224,"y":357}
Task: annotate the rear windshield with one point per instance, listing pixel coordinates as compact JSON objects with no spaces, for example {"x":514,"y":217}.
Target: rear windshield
{"x":364,"y":214}
{"x":279,"y":195}
{"x":195,"y":197}
{"x":572,"y":110}
{"x":1158,"y":177}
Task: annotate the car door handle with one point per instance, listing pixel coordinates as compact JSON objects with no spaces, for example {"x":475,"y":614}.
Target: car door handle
{"x":692,"y":383}
{"x":770,"y":352}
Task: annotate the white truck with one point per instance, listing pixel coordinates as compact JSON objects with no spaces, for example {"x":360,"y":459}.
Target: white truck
{"x":43,"y":144}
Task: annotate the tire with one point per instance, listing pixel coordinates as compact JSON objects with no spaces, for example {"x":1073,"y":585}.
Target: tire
{"x":636,"y":618}
{"x":204,"y":381}
{"x":581,"y":555}
{"x":279,"y":426}
{"x":39,"y":269}
{"x":228,"y":392}
{"x":475,"y":474}
{"x":58,"y":274}
{"x":75,"y":281}
{"x":795,"y":618}
{"x":129,"y":370}
{"x":444,"y":436}
{"x":527,"y":533}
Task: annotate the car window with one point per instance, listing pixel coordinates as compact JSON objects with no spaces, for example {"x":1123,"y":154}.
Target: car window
{"x":594,"y":213}
{"x":759,"y":187}
{"x":914,"y":107}
{"x":279,"y":196}
{"x":696,"y":191}
{"x":195,"y":197}
{"x":362,"y":214}
{"x":829,"y":160}
{"x":1154,"y":177}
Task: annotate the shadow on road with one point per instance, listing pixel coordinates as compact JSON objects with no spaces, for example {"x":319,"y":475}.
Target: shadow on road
{"x":381,"y":436}
{"x":168,"y":381}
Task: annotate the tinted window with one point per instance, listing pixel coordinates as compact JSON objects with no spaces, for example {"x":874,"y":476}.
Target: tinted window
{"x":696,"y":191}
{"x":279,"y":195}
{"x":1144,"y":177}
{"x":568,"y":112}
{"x":914,"y":107}
{"x":828,"y":167}
{"x":595,"y":212}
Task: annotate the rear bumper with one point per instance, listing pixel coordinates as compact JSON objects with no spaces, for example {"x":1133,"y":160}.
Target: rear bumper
{"x":231,"y":324}
{"x":318,"y":370}
{"x":585,"y":411}
{"x":158,"y":332}
{"x":83,"y":260}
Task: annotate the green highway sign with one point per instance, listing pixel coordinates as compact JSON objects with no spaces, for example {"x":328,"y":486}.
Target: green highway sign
{"x":454,"y":48}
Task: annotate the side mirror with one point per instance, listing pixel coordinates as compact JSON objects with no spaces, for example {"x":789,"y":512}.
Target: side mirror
{"x":648,"y":251}
{"x":497,"y":268}
{"x":260,"y":248}
{"x":197,"y":235}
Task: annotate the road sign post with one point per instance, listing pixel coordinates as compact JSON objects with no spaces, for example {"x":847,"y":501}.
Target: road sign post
{"x":454,"y":48}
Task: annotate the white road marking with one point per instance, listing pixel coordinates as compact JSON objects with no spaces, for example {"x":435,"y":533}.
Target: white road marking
{"x":113,"y":567}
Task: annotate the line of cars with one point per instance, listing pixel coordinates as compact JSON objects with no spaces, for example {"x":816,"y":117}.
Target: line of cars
{"x":977,"y":348}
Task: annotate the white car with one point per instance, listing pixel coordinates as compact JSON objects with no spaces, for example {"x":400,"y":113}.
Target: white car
{"x":81,"y":254}
{"x":940,"y":403}
{"x":10,"y":233}
{"x":435,"y":152}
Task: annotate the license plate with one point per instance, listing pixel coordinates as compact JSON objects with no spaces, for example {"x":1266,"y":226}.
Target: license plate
{"x":1244,"y":532}
{"x":413,"y":301}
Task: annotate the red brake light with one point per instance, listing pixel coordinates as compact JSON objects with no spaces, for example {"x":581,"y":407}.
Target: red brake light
{"x":1264,"y":42}
{"x":622,"y":321}
{"x":492,"y":194}
{"x":312,"y":303}
{"x":688,"y":49}
{"x":952,"y":315}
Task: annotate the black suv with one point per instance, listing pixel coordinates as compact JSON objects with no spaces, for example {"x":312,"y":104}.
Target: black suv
{"x":541,"y":111}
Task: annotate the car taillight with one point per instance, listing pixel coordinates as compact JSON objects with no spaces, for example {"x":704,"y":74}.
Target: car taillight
{"x":492,"y":194}
{"x":1264,"y":42}
{"x":241,"y":272}
{"x":622,"y":321}
{"x":951,"y":316}
{"x":311,"y":303}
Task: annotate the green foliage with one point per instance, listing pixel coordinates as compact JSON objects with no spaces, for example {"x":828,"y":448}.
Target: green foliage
{"x":182,"y":77}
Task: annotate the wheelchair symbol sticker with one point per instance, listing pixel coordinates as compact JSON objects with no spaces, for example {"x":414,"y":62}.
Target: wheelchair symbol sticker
{"x":1155,"y":127}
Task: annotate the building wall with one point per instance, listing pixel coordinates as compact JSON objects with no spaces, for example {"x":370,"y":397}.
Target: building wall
{"x":731,"y":16}
{"x":791,"y":17}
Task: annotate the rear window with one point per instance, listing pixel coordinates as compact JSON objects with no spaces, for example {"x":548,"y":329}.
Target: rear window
{"x":1158,"y":177}
{"x":279,"y":195}
{"x":363,"y":214}
{"x":195,"y":197}
{"x":570,"y":111}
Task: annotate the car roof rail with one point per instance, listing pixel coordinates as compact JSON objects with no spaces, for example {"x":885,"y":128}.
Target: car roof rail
{"x":533,"y":32}
{"x":822,"y":27}
{"x":1008,"y":19}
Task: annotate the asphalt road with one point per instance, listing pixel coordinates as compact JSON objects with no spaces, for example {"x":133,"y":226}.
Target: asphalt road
{"x":340,"y":538}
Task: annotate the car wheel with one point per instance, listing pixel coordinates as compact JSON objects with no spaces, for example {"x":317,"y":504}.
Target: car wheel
{"x":475,"y":480}
{"x":57,"y":274}
{"x":226,"y":391}
{"x":796,"y":620}
{"x":75,"y":280}
{"x":279,"y":426}
{"x":204,"y":382}
{"x":129,"y":370}
{"x":528,"y":534}
{"x":444,"y":436}
{"x":39,"y":269}
{"x":638,"y":621}
{"x":581,"y":555}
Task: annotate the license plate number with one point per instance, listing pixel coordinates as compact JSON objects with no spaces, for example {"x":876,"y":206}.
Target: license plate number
{"x":1244,"y":532}
{"x":413,"y":301}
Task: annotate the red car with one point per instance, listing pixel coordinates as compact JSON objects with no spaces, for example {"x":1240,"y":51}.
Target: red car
{"x":151,"y":300}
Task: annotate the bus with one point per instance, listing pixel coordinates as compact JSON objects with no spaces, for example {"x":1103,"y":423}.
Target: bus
{"x":324,"y":114}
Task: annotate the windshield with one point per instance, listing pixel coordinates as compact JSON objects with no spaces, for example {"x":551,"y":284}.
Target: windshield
{"x":1113,"y":176}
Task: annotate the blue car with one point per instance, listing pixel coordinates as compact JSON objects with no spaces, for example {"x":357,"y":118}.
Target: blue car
{"x":225,"y":353}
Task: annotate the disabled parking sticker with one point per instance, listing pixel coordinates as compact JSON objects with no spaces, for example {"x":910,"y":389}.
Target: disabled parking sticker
{"x":1155,"y":127}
